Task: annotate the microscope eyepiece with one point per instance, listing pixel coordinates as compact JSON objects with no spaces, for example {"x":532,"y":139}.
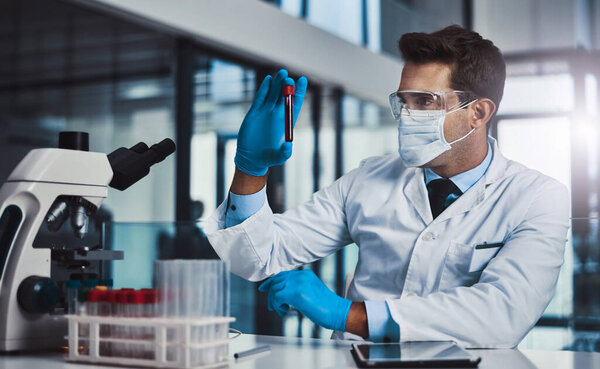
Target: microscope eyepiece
{"x":163,"y":149}
{"x":131,"y":165}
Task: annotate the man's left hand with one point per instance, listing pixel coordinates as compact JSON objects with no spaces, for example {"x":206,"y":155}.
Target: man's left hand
{"x":304,"y":291}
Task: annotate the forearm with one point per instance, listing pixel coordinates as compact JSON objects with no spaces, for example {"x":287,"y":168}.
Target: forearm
{"x":267,"y":244}
{"x":246,"y":184}
{"x":356,"y":322}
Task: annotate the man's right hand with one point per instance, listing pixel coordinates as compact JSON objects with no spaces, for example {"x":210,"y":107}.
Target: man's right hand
{"x":260,"y":143}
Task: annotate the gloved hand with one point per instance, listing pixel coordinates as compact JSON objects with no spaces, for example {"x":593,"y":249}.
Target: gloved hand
{"x":304,"y":291}
{"x":261,"y":143}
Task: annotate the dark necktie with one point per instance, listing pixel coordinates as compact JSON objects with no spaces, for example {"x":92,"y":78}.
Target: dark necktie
{"x":439,"y":190}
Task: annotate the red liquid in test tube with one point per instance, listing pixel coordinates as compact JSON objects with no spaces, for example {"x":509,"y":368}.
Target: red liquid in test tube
{"x":151,"y":299}
{"x":94,"y":298}
{"x":111,"y":331}
{"x":123,"y":349}
{"x":288,"y":96}
{"x":136,"y":310}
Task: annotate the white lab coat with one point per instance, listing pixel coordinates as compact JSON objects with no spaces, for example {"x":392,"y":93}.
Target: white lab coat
{"x":436,"y":284}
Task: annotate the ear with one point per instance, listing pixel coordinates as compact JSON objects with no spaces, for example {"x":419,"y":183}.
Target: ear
{"x":480,"y":112}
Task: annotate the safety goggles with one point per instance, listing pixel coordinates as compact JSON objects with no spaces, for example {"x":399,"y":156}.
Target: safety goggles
{"x":423,"y":105}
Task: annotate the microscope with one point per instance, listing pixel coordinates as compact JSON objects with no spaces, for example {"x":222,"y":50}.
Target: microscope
{"x":58,"y":191}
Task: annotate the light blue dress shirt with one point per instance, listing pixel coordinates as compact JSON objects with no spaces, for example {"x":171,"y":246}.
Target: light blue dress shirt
{"x":381,"y":324}
{"x":242,"y":207}
{"x":464,"y":180}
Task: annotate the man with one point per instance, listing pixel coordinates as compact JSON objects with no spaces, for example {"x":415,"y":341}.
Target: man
{"x":456,"y":242}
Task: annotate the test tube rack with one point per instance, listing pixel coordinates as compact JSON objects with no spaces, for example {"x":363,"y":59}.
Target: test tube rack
{"x":173,"y":343}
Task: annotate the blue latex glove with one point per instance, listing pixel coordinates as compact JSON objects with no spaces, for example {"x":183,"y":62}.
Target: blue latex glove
{"x":304,"y":291}
{"x":261,"y":142}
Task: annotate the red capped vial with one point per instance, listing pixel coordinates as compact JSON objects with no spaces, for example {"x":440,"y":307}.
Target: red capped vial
{"x":288,"y":97}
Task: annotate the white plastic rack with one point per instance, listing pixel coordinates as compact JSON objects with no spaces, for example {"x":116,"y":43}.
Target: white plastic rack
{"x":159,"y":342}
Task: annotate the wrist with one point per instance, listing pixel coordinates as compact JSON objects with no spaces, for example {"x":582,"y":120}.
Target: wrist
{"x":356,"y":321}
{"x":343,"y":309}
{"x":246,"y":184}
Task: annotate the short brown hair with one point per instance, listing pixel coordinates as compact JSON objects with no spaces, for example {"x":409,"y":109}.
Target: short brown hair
{"x":477,"y":64}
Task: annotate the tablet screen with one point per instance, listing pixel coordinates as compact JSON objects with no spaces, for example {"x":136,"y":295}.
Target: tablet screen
{"x":414,"y":351}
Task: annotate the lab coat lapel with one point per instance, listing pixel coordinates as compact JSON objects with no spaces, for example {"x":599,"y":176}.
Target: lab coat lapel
{"x":416,"y":193}
{"x":476,"y":194}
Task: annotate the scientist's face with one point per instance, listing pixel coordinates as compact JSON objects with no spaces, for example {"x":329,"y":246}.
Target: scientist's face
{"x":436,"y":77}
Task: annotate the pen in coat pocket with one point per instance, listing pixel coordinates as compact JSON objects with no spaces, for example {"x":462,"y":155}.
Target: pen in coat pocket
{"x":489,"y":245}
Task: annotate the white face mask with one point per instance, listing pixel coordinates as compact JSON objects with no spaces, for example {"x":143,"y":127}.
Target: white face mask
{"x":421,"y":137}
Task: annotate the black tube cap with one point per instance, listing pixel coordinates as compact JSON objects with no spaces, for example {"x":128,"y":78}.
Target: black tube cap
{"x":73,"y":140}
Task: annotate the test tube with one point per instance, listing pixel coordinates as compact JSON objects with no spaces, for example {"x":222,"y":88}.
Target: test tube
{"x":159,"y":284}
{"x":103,"y":304}
{"x":111,"y":299}
{"x":221,"y":288}
{"x":95,"y":304}
{"x":202,"y":302}
{"x":173,"y":287}
{"x":288,"y":97}
{"x":185,"y":287}
{"x":73,"y":287}
{"x":83,"y":328}
{"x":213,"y":268}
{"x":216,"y":267}
{"x":93,"y":300}
{"x":81,"y":299}
{"x":227,"y":286}
{"x":150,"y":309}
{"x":112,"y":329}
{"x":86,"y":285}
{"x":122,"y":331}
{"x":198,"y":284}
{"x":150,"y":302}
{"x":136,"y":310}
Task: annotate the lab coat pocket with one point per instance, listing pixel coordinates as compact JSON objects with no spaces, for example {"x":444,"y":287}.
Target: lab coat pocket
{"x":482,"y":254}
{"x":456,"y":267}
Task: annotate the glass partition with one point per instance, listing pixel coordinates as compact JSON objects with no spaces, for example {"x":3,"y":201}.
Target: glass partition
{"x":223,"y":94}
{"x":65,"y":68}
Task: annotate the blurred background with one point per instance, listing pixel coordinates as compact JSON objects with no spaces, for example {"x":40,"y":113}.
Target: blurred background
{"x":141,"y":70}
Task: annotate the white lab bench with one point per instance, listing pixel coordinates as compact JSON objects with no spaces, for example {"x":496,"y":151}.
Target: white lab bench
{"x":293,"y":353}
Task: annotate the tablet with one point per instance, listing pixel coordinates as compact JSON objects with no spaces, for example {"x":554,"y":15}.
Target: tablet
{"x":417,"y":354}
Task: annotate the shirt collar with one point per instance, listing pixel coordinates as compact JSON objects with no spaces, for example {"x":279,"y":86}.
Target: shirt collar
{"x":464,"y":180}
